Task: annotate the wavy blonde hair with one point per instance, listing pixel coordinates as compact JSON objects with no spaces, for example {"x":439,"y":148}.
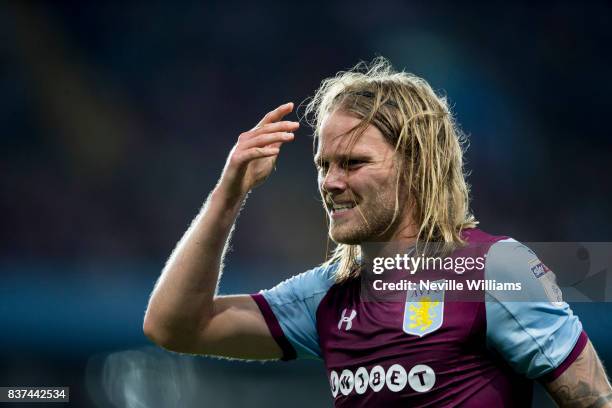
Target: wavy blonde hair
{"x":419,"y":124}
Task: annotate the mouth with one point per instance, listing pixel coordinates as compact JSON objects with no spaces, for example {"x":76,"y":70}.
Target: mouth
{"x":340,"y":209}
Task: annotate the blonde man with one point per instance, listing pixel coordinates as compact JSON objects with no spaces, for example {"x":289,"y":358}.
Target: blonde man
{"x":390,"y":173}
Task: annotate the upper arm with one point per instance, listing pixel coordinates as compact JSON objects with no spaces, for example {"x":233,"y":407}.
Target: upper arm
{"x":290,"y":311}
{"x":275,"y":323}
{"x":537,"y":333}
{"x":533,"y":329}
{"x":237,"y":329}
{"x":278,"y":323}
{"x":583,"y":383}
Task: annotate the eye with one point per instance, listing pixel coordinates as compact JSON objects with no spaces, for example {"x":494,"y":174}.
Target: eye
{"x":353,"y":164}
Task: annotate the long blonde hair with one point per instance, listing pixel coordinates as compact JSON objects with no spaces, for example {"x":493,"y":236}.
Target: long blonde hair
{"x":419,"y":124}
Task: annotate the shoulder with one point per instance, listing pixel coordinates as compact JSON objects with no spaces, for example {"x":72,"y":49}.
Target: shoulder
{"x":293,"y":304}
{"x":506,"y":253}
{"x":503,"y":253}
{"x":510,"y":260}
{"x":478,"y":236}
{"x":314,"y":282}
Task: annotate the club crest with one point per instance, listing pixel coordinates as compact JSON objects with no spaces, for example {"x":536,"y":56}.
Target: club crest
{"x":424,"y":311}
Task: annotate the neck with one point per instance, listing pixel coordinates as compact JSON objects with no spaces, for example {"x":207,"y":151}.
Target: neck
{"x":401,"y":241}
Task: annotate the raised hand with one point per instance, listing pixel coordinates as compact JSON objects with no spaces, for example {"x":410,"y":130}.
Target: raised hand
{"x":253,"y":156}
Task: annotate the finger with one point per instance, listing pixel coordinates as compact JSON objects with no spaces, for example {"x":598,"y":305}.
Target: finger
{"x":259,"y":152}
{"x":266,"y":139}
{"x":283,"y":126}
{"x":277,"y":114}
{"x":277,"y":144}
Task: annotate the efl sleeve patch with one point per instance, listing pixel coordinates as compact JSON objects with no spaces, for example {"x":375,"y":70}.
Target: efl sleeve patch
{"x":548,"y":281}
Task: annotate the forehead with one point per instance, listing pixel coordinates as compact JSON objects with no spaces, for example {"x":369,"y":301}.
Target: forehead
{"x":335,"y":138}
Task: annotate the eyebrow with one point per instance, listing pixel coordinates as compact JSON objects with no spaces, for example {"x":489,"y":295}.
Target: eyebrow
{"x":339,"y":157}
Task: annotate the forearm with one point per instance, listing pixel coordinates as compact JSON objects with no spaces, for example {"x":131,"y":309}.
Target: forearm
{"x":583,"y":384}
{"x":182,"y":299}
{"x":182,"y":311}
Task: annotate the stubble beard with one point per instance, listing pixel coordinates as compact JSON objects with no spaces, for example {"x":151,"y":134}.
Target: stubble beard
{"x":371,"y":222}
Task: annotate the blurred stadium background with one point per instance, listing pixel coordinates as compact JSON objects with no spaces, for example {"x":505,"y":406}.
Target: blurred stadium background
{"x":117,"y":118}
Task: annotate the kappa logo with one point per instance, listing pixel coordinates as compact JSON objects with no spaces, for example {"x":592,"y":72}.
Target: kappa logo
{"x":424,"y":311}
{"x":346,"y":318}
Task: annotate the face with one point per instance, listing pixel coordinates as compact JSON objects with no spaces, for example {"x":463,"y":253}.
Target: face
{"x":357,"y":183}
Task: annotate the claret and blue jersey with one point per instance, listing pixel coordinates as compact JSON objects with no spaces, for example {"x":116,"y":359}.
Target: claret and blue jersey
{"x":431,"y":349}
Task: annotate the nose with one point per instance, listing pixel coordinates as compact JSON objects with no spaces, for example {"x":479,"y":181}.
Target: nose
{"x":334,"y":180}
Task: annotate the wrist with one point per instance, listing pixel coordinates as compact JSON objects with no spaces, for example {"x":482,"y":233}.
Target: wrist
{"x":230,"y":201}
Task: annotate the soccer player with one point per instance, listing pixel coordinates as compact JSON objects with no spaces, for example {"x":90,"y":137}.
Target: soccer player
{"x":390,"y":173}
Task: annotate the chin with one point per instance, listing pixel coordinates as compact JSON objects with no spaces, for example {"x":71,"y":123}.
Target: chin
{"x":346,"y":241}
{"x":347,"y":237}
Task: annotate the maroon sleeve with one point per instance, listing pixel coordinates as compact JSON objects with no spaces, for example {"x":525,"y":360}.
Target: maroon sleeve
{"x":580,"y":345}
{"x":274,"y":327}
